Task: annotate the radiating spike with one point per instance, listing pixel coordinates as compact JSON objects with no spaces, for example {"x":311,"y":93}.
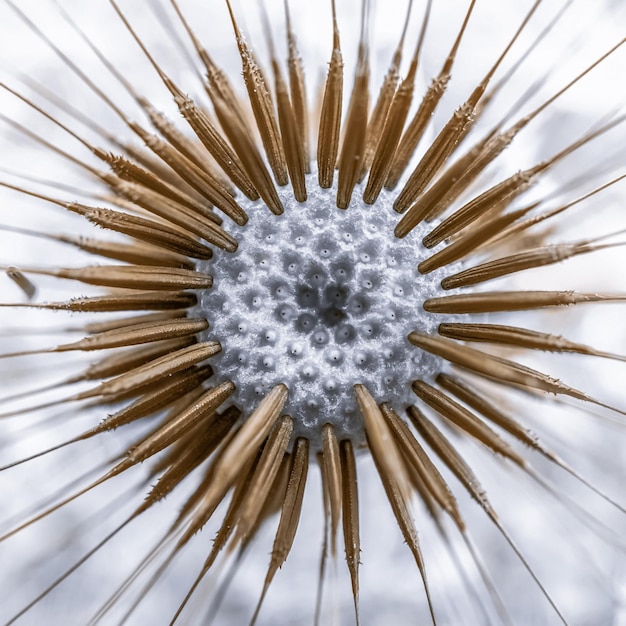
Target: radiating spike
{"x":319,"y":596}
{"x":132,"y":276}
{"x":223,"y":534}
{"x":251,"y":158}
{"x":143,"y":332}
{"x":297,"y":87}
{"x":480,"y":404}
{"x":236,"y":453}
{"x":166,"y":434}
{"x":219,"y":88}
{"x":417,"y":458}
{"x":174,"y":389}
{"x":446,"y":142}
{"x":353,"y":146}
{"x":385,"y":97}
{"x":391,"y":132}
{"x":291,"y":140}
{"x":448,"y":454}
{"x":136,"y":301}
{"x":331,"y":464}
{"x":150,"y":231}
{"x":262,"y":106}
{"x":193,"y":448}
{"x":393,"y":475}
{"x":500,"y":370}
{"x":199,"y":122}
{"x":478,"y":236}
{"x":153,"y":371}
{"x":502,"y":193}
{"x":465,"y":420}
{"x":492,"y":301}
{"x":519,"y":337}
{"x":289,"y":515}
{"x":350,"y":516}
{"x":125,"y":360}
{"x":213,"y":142}
{"x":515,"y":229}
{"x":185,"y":145}
{"x":134,"y":254}
{"x":330,"y":114}
{"x":461,"y":174}
{"x":538,"y":257}
{"x":26,"y":286}
{"x":415,"y":130}
{"x":199,"y":179}
{"x":270,"y":461}
{"x":457,"y":178}
{"x":126,"y":336}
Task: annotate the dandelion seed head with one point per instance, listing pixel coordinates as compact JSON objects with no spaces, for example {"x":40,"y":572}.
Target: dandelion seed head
{"x":320,"y":298}
{"x":322,"y":366}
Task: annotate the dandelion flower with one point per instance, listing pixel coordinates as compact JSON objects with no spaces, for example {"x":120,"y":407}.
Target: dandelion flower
{"x":328,"y":306}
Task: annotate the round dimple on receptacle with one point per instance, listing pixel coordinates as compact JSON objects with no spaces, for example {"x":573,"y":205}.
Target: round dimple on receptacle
{"x":368,"y":252}
{"x":320,"y":337}
{"x":307,"y":297}
{"x":334,"y":356}
{"x":309,"y":371}
{"x":330,"y":386}
{"x":280,"y":290}
{"x":358,"y":305}
{"x":370,"y":280}
{"x":295,"y":349}
{"x":344,"y":333}
{"x":268,"y":363}
{"x":332,"y":316}
{"x":292,"y":263}
{"x":370,"y":329}
{"x":361,"y":358}
{"x":391,"y":315}
{"x":320,"y":299}
{"x":341,"y":271}
{"x":254,"y":298}
{"x":285,"y":313}
{"x":389,"y":353}
{"x":269,"y":337}
{"x":327,"y":247}
{"x":316,"y":276}
{"x":306,"y":322}
{"x":335,"y":296}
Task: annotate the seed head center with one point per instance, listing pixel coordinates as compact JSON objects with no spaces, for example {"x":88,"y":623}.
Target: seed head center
{"x":320,"y":299}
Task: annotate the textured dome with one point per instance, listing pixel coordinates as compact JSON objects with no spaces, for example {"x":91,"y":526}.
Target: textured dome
{"x":318,"y":298}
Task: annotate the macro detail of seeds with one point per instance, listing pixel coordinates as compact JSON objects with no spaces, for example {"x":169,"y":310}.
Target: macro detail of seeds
{"x":312,"y":314}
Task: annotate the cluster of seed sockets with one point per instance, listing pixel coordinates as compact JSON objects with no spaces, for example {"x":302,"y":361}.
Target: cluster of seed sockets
{"x":320,"y":299}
